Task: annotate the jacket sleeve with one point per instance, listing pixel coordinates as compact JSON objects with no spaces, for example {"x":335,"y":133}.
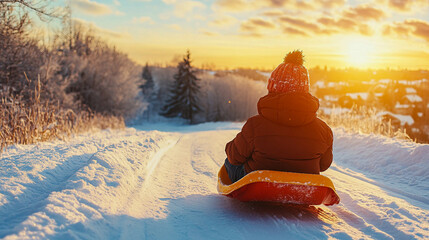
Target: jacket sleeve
{"x":240,"y":149}
{"x":327,"y":157}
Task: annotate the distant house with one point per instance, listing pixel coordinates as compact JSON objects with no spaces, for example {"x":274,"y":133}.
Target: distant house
{"x":351,"y":99}
{"x":345,"y":101}
{"x":329,"y":100}
{"x":361,"y":96}
{"x":408,"y":103}
{"x":397,"y":120}
{"x":319,"y":84}
{"x":403,"y":108}
{"x":413,"y":82}
{"x":385,"y":81}
{"x":410,"y":90}
{"x":411,"y":99}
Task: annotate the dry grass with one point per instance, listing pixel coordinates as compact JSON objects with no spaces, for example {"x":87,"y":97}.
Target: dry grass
{"x":363,"y":120}
{"x":31,"y":120}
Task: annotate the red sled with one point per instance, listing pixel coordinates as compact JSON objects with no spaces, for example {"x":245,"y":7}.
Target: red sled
{"x":282,"y":187}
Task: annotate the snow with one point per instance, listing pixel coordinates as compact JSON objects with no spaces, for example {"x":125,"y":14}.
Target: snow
{"x":404,"y":82}
{"x":413,"y":98}
{"x":404,"y":119}
{"x":319,"y":84}
{"x":266,"y":74}
{"x":158,"y":181}
{"x":410,"y":90}
{"x":356,"y":96}
{"x":330,"y":98}
{"x":335,"y":110}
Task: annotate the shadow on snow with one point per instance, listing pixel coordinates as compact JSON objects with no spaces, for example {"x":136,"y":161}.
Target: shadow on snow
{"x":210,"y":217}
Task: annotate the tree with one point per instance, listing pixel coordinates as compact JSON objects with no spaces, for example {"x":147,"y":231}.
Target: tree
{"x":183,"y":101}
{"x":148,"y":90}
{"x":21,"y":57}
{"x":148,"y":86}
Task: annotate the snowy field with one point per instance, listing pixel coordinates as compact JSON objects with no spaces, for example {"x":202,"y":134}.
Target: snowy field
{"x":159,"y":182}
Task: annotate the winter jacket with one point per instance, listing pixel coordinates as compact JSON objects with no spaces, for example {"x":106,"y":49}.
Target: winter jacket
{"x":285,"y":136}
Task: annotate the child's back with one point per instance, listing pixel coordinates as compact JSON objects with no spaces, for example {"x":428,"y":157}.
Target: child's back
{"x":286,"y":135}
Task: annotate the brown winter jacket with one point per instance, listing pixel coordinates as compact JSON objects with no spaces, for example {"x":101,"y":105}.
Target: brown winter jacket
{"x":285,"y":136}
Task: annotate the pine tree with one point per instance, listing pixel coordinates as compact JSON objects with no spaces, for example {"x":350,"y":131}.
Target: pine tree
{"x":149,"y":84}
{"x":148,"y":90}
{"x":183,"y":101}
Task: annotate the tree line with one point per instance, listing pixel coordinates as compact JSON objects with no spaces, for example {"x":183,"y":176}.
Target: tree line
{"x":199,"y":96}
{"x":71,"y":83}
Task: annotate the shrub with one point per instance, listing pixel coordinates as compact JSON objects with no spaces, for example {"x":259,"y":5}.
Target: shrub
{"x":26,"y":121}
{"x":362,"y":120}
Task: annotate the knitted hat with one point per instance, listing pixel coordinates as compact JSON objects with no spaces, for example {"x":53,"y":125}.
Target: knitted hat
{"x":290,"y":75}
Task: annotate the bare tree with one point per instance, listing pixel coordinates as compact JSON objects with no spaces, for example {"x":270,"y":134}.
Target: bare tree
{"x":20,"y":54}
{"x":40,"y":7}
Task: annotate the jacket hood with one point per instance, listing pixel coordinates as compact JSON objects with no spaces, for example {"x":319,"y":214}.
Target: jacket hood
{"x":290,"y":109}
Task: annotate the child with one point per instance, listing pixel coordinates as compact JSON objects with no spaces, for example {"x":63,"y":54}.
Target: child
{"x":286,"y":135}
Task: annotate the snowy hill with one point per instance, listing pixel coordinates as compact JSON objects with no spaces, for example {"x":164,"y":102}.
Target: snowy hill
{"x":145,"y":184}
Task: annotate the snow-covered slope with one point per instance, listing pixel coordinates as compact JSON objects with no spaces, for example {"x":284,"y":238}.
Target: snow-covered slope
{"x":146,"y":184}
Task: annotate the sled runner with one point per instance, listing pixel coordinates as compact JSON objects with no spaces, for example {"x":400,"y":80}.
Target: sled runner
{"x":276,"y":186}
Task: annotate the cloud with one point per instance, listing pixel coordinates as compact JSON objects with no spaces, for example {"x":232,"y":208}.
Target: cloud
{"x":208,"y":33}
{"x":365,"y":29}
{"x":342,"y":24}
{"x":364,"y":12}
{"x":294,"y":31}
{"x":300,"y":23}
{"x":253,"y":35}
{"x":246,"y":5}
{"x":223,"y":21}
{"x":143,"y":20}
{"x":333,"y":26}
{"x":278,"y":3}
{"x":302,"y":5}
{"x":420,"y":28}
{"x":100,"y":31}
{"x":274,"y":13}
{"x":185,"y":9}
{"x":231,"y":5}
{"x":411,"y":27}
{"x":329,"y":4}
{"x":407,"y":5}
{"x":256,"y":24}
{"x":91,"y":7}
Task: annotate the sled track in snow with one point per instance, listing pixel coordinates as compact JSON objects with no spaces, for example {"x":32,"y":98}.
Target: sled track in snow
{"x":13,"y":213}
{"x":55,"y":178}
{"x":386,"y":187}
{"x":376,"y":214}
{"x":154,"y":161}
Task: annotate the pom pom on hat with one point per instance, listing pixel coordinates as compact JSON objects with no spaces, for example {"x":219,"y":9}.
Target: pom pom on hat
{"x":290,"y":75}
{"x":294,"y":57}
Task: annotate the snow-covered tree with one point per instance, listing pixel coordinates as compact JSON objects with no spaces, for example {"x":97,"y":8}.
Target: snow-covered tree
{"x":147,"y":76}
{"x":183,"y":101}
{"x":100,"y":77}
{"x":19,"y":51}
{"x":224,"y":97}
{"x":148,"y":91}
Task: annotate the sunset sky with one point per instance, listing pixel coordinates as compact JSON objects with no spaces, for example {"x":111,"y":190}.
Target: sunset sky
{"x":258,"y":33}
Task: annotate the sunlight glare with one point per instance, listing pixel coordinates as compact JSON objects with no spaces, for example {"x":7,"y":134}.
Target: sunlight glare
{"x":359,"y":52}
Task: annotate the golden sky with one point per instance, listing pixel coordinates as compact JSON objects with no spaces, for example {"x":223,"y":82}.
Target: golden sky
{"x":258,"y":33}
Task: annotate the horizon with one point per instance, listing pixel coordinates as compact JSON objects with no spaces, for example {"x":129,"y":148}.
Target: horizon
{"x":229,"y":34}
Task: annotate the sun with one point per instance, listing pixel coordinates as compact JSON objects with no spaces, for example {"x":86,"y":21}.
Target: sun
{"x":359,"y":52}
